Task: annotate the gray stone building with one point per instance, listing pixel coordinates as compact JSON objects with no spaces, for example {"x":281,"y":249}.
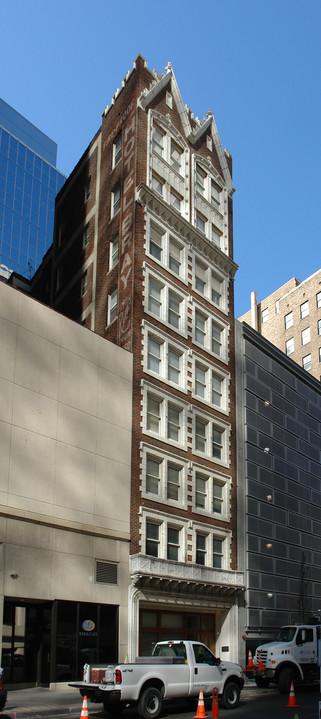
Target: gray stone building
{"x":279,"y":486}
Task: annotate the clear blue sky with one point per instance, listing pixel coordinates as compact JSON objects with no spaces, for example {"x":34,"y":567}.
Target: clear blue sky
{"x":256,"y":63}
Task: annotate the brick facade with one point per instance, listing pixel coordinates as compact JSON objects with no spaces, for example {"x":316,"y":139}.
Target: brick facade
{"x":152,"y":245}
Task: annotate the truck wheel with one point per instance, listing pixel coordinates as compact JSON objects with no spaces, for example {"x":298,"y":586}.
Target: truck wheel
{"x":286,"y":677}
{"x":150,"y":703}
{"x":262,"y":682}
{"x":230,"y":696}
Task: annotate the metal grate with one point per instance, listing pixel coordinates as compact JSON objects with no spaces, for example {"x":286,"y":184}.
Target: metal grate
{"x":106,"y":572}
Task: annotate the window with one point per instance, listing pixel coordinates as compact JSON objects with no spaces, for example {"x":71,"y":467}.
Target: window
{"x":163,"y":302}
{"x":210,"y":385}
{"x":210,"y":549}
{"x":165,"y":478}
{"x":304,"y":310}
{"x":210,"y":284}
{"x":216,"y":237}
{"x":156,"y":239}
{"x":200,"y":548}
{"x":163,"y":416}
{"x":207,"y":187}
{"x":167,"y":148}
{"x":200,"y":222}
{"x":87,"y":190}
{"x":217,"y":553}
{"x":265,"y":315}
{"x":318,"y":297}
{"x":289,"y":346}
{"x":215,"y":195}
{"x":210,"y":334}
{"x":117,"y":150}
{"x":319,"y":327}
{"x":210,"y":438}
{"x":319,"y":354}
{"x":175,"y":200}
{"x":158,"y":137}
{"x":174,"y":257}
{"x":152,"y":539}
{"x":114,"y":251}
{"x":153,"y":414}
{"x":115,"y":200}
{"x":305,"y":336}
{"x":165,"y":359}
{"x":83,"y":284}
{"x":306,"y":362}
{"x":216,"y":339}
{"x":176,"y":156}
{"x":288,"y":320}
{"x":165,"y":249}
{"x":210,"y":494}
{"x":112,"y":306}
{"x":157,"y":184}
{"x":200,"y":180}
{"x":85,"y":236}
{"x":172,"y":543}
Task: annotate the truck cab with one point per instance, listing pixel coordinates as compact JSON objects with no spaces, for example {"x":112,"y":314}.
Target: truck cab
{"x":294,"y":656}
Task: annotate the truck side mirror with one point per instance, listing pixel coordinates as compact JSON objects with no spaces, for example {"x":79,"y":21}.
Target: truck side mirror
{"x":217,"y":661}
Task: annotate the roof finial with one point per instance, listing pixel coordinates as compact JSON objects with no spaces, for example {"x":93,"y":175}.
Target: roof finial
{"x":168,"y":67}
{"x":209,"y":113}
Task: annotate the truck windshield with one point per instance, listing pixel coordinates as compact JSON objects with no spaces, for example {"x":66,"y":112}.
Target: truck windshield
{"x":170,"y":650}
{"x":285,"y":634}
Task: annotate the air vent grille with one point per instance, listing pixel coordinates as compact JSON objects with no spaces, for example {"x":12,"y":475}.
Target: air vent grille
{"x":106,"y":573}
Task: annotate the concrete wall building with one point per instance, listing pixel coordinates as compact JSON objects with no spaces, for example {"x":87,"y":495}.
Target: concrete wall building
{"x":143,"y":256}
{"x":65,"y":438}
{"x":291,"y":318}
{"x":279,"y":486}
{"x":29,"y":182}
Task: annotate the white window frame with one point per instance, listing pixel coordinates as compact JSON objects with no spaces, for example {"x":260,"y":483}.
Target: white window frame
{"x":112,"y":310}
{"x":304,"y":309}
{"x":166,"y":344}
{"x":265,"y":315}
{"x":210,"y":424}
{"x":167,"y":143}
{"x":305,"y":336}
{"x":289,"y":346}
{"x":318,"y":300}
{"x":288,"y":320}
{"x":211,"y":370}
{"x":306,"y":362}
{"x":165,"y":461}
{"x":164,"y":294}
{"x":117,"y":149}
{"x":167,"y":401}
{"x":210,"y":321}
{"x":114,"y":251}
{"x":166,"y":241}
{"x":115,"y":199}
{"x":210,"y":275}
{"x":83,"y":284}
{"x":163,"y":521}
{"x":210,"y":479}
{"x":204,"y":188}
{"x":158,"y":184}
{"x":210,"y":535}
{"x":319,"y":327}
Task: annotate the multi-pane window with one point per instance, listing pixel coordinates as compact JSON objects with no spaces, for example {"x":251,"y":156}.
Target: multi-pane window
{"x":306,"y":362}
{"x":206,"y":187}
{"x":318,"y":298}
{"x":153,"y":414}
{"x":85,"y":236}
{"x":174,"y":365}
{"x":215,"y":195}
{"x":288,"y":320}
{"x":210,"y":385}
{"x":83,"y":284}
{"x":210,"y":494}
{"x":319,"y":354}
{"x":305,"y":336}
{"x":174,"y":422}
{"x":115,"y":200}
{"x":175,"y":200}
{"x":200,"y":548}
{"x":165,"y":359}
{"x":265,"y":315}
{"x":200,"y":327}
{"x":319,"y":327}
{"x":158,"y":137}
{"x":289,"y":346}
{"x":174,"y":257}
{"x":164,"y":303}
{"x":156,"y":239}
{"x":117,"y":149}
{"x":153,"y":469}
{"x":114,"y":251}
{"x":154,"y":355}
{"x":216,"y":237}
{"x":173,"y":481}
{"x":165,"y":249}
{"x":217,"y":553}
{"x":174,"y":303}
{"x":200,"y":222}
{"x":176,"y":154}
{"x":216,"y":339}
{"x":157,"y":184}
{"x":87,"y":189}
{"x":152,"y":539}
{"x":209,"y":333}
{"x":173,"y":543}
{"x":164,"y":417}
{"x":167,"y":148}
{"x":164,"y":478}
{"x":209,"y":550}
{"x":210,"y":438}
{"x":112,"y":306}
{"x":304,"y":310}
{"x":209,"y":284}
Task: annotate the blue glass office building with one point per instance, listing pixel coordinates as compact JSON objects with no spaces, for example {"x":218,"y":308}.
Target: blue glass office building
{"x":29,"y":182}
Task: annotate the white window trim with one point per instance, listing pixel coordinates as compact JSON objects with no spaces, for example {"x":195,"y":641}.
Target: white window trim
{"x":85,"y":236}
{"x":165,"y":458}
{"x":288,"y":323}
{"x":167,"y":287}
{"x":211,"y":423}
{"x":83,"y":284}
{"x":167,"y":237}
{"x":224,"y":377}
{"x":224,"y":327}
{"x":289,"y":346}
{"x":265,"y":315}
{"x":225,"y":482}
{"x":166,"y":398}
{"x":201,"y":202}
{"x":318,"y":300}
{"x":310,"y":361}
{"x":114,"y":212}
{"x":110,"y":306}
{"x":116,"y":159}
{"x":304,"y":312}
{"x":163,"y":520}
{"x":305,"y":336}
{"x":209,"y":271}
{"x":221,"y":534}
{"x":167,"y":342}
{"x":113,"y":240}
{"x":169,"y":135}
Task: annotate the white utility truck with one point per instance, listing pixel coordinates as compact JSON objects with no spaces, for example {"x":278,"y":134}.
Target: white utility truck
{"x":294,"y":656}
{"x":176,"y":669}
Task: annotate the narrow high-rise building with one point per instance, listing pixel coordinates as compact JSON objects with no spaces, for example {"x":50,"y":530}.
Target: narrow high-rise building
{"x":29,"y":182}
{"x":143,"y":256}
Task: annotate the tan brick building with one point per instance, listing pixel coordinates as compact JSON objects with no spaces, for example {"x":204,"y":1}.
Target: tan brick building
{"x":143,"y":256}
{"x":290,"y":318}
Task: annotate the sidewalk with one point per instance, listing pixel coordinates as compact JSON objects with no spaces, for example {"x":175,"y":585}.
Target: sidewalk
{"x":42,"y":702}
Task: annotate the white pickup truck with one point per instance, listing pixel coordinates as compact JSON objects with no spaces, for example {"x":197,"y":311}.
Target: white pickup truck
{"x":176,"y":669}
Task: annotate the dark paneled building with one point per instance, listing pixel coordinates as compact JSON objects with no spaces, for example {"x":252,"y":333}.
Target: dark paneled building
{"x":279,"y":485}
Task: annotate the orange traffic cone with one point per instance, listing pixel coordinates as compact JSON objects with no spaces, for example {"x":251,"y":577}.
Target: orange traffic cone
{"x":250,"y":665}
{"x":215,"y":703}
{"x":84,"y":709}
{"x":200,"y":714}
{"x":292,"y":703}
{"x":260,"y":665}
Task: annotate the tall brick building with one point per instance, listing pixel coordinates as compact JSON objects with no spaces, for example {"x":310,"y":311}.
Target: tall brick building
{"x":143,"y":256}
{"x":290,"y":318}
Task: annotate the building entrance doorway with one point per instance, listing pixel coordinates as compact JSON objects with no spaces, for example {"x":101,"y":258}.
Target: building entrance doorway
{"x":26,"y":642}
{"x":157,"y":625}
